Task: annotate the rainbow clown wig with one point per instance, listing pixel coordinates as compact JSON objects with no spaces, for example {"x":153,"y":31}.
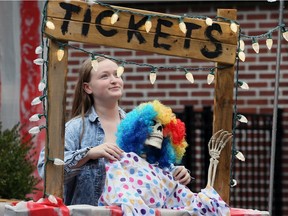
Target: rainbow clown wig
{"x":137,"y":127}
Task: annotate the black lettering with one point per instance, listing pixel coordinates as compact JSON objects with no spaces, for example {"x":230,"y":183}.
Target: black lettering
{"x":70,"y":8}
{"x":218,"y":46}
{"x":102,"y":15}
{"x":190,"y":27}
{"x":133,"y":29}
{"x":159,"y":34}
{"x":86,"y":21}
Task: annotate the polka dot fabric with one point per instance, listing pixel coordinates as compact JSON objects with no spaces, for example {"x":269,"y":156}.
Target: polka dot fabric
{"x":139,"y":188}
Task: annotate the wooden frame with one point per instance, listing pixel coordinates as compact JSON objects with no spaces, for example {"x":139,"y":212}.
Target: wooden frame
{"x":78,"y":21}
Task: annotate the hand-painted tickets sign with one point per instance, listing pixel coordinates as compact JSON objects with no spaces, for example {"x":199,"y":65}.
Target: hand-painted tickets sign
{"x":79,"y":21}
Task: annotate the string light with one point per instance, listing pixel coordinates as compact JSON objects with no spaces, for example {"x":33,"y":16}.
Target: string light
{"x":209,"y":21}
{"x":189,"y":76}
{"x":94,"y":63}
{"x":182,"y":25}
{"x":114,"y":17}
{"x":58,"y":162}
{"x":284,"y":33}
{"x":239,"y":156}
{"x":35,"y":117}
{"x":153,"y":76}
{"x":120,"y":70}
{"x":90,"y":2}
{"x":241,"y":55}
{"x":233,"y":183}
{"x":42,"y":85}
{"x":255,"y":45}
{"x":38,"y":61}
{"x":52,"y":199}
{"x":242,"y":118}
{"x":36,"y":130}
{"x":269,"y":41}
{"x":50,"y":25}
{"x":210,"y":76}
{"x":243,"y":85}
{"x":37,"y":100}
{"x":38,"y":50}
{"x":233,"y":26}
{"x":60,"y":53}
{"x":242,"y":45}
{"x":148,"y":24}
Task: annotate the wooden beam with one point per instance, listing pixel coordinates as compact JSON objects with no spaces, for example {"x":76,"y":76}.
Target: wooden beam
{"x":223,"y":116}
{"x":77,"y":21}
{"x":56,"y":106}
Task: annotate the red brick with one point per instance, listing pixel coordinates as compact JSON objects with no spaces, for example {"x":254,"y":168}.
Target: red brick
{"x":256,"y":16}
{"x":134,"y":94}
{"x":201,"y":94}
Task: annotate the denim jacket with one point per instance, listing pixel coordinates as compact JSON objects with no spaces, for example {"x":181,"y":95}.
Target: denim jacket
{"x":82,"y":185}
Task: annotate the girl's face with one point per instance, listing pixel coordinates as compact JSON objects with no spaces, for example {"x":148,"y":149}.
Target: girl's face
{"x":104,"y":84}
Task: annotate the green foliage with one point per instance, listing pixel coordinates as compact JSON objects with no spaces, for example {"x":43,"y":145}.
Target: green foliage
{"x":16,"y":164}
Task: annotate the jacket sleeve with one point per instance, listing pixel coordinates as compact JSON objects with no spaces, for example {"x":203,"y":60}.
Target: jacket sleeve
{"x":72,"y":153}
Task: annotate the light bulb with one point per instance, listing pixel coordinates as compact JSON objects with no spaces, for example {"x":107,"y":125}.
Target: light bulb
{"x":42,"y":85}
{"x":38,"y":61}
{"x":37,"y":100}
{"x":285,"y":35}
{"x":153,"y":76}
{"x":233,"y":183}
{"x":148,"y":25}
{"x":242,"y":45}
{"x":239,"y":156}
{"x":209,"y":21}
{"x":241,"y":56}
{"x":242,"y":118}
{"x":189,"y":76}
{"x":60,"y":53}
{"x":58,"y":162}
{"x":269,"y":42}
{"x":50,"y":25}
{"x":90,"y":2}
{"x":52,"y":199}
{"x":41,"y":200}
{"x":243,"y":85}
{"x":120,"y":70}
{"x":38,"y":50}
{"x":182,"y":26}
{"x":255,"y":45}
{"x":94,"y":63}
{"x":114,"y":18}
{"x":36,"y":130}
{"x":35,"y":117}
{"x":210,"y":77}
{"x":233,"y":26}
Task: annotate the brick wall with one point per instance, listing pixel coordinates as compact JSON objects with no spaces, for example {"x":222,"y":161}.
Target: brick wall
{"x":172,"y":88}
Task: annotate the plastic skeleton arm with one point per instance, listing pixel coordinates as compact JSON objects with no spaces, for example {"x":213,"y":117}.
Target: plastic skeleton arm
{"x":215,"y":146}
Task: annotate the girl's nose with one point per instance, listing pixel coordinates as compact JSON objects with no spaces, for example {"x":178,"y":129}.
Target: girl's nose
{"x":113,"y":79}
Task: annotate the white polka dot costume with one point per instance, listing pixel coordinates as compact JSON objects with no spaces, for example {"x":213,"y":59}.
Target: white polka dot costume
{"x":140,"y":188}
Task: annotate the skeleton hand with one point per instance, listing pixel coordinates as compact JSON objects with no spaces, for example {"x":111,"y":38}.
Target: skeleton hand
{"x":215,"y":145}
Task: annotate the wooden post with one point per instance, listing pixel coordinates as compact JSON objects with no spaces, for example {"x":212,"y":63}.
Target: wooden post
{"x":56,"y":105}
{"x":223,"y":114}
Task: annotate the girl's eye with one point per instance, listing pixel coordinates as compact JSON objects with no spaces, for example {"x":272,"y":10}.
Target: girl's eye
{"x":104,"y":76}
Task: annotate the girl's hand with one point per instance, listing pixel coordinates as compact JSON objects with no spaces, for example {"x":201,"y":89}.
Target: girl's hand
{"x":182,"y":175}
{"x":109,"y":151}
